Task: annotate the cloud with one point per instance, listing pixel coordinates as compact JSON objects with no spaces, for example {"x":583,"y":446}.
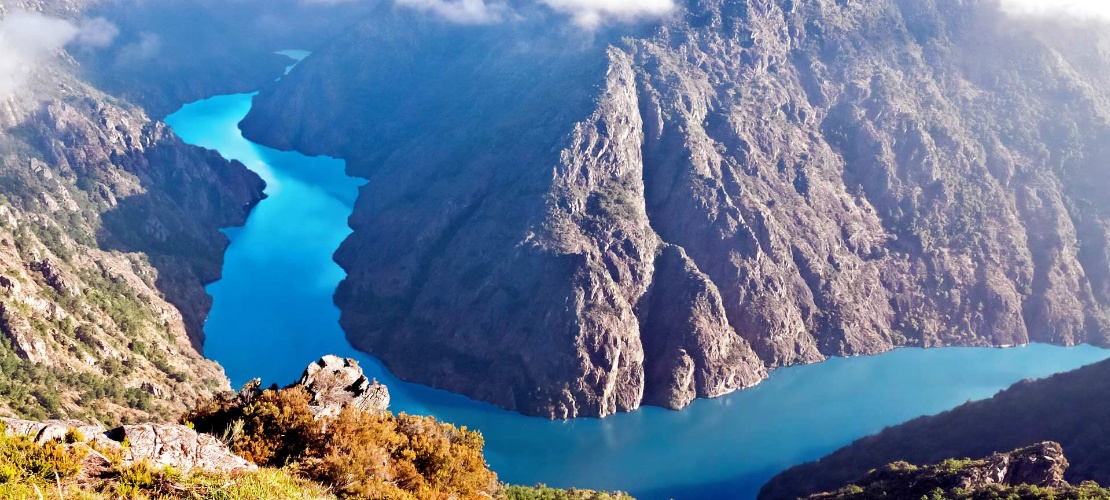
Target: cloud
{"x":147,"y":47}
{"x":97,"y":33}
{"x":591,"y":13}
{"x":1083,"y":10}
{"x":457,"y":11}
{"x":26,"y":41}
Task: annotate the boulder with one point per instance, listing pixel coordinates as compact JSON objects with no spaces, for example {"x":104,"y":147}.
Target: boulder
{"x":163,"y":445}
{"x":51,"y":430}
{"x":179,"y":447}
{"x":336,"y":383}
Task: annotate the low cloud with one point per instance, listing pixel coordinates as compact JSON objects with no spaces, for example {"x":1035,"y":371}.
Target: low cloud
{"x":591,"y":13}
{"x":457,"y":11}
{"x":97,"y":33}
{"x":27,"y":40}
{"x":148,"y":46}
{"x":1081,"y":10}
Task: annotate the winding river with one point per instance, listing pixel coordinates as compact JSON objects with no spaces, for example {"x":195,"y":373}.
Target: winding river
{"x":273,"y":314}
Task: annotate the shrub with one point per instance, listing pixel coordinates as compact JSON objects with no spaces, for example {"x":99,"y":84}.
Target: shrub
{"x":74,"y":436}
{"x":542,"y":492}
{"x":21,"y":460}
{"x":357,"y":454}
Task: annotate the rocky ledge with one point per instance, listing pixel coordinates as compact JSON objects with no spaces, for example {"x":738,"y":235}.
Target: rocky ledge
{"x":164,"y":445}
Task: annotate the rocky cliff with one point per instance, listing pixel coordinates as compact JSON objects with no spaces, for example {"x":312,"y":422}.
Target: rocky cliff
{"x":575,"y":225}
{"x":109,"y":230}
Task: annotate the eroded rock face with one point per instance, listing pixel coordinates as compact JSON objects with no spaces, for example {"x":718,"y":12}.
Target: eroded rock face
{"x":668,"y":215}
{"x":336,"y":383}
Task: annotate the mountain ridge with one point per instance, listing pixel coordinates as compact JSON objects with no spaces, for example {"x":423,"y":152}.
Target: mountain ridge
{"x":832,"y":174}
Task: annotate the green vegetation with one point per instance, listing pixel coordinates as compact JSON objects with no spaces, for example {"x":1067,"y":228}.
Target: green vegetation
{"x":355,"y":455}
{"x":30,"y":391}
{"x":955,"y":479}
{"x":542,"y":492}
{"x":53,"y":471}
{"x":23,"y":461}
{"x":358,"y":454}
{"x":1085,"y":491}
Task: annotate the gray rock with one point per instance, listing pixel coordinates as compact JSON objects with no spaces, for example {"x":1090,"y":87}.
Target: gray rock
{"x":163,"y":445}
{"x":51,"y":430}
{"x":179,"y":447}
{"x":336,"y":383}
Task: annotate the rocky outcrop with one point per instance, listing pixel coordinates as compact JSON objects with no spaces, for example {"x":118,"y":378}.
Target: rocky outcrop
{"x":160,"y":445}
{"x":336,"y":383}
{"x":53,"y":430}
{"x":670,"y":212}
{"x":177,"y":446}
{"x":1041,"y":465}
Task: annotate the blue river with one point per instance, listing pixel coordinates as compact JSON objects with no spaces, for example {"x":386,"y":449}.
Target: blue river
{"x":273,"y":314}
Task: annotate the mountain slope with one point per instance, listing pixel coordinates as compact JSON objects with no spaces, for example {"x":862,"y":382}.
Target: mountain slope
{"x":567,"y":226}
{"x":109,"y":230}
{"x":1036,"y":472}
{"x":1069,"y":408}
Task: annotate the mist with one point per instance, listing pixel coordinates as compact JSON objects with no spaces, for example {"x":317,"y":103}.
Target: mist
{"x":1081,"y":10}
{"x":28,"y":40}
{"x":591,"y":13}
{"x":458,"y":11}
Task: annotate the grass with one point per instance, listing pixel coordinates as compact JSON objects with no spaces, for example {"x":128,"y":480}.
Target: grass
{"x":51,"y":471}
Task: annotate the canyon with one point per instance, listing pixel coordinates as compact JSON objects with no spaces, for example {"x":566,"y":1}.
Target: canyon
{"x":744,"y":186}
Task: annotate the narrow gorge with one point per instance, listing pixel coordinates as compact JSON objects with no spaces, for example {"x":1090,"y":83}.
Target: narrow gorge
{"x":746,"y":186}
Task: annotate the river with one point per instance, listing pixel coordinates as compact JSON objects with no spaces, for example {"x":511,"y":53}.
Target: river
{"x":273,"y":314}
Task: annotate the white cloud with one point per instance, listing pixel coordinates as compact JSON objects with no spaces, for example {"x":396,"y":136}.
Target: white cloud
{"x":591,"y":13}
{"x":26,"y":41}
{"x":458,"y":11}
{"x":1086,"y":10}
{"x":97,"y":33}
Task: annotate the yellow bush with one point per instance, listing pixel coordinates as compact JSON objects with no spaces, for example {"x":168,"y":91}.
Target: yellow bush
{"x":358,"y":454}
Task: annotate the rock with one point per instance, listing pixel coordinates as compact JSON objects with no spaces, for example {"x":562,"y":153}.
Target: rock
{"x":179,"y":447}
{"x":26,"y":343}
{"x":11,"y":285}
{"x":95,"y":466}
{"x":51,"y":430}
{"x":169,"y":445}
{"x":1042,"y":465}
{"x":54,"y":276}
{"x":336,"y":383}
